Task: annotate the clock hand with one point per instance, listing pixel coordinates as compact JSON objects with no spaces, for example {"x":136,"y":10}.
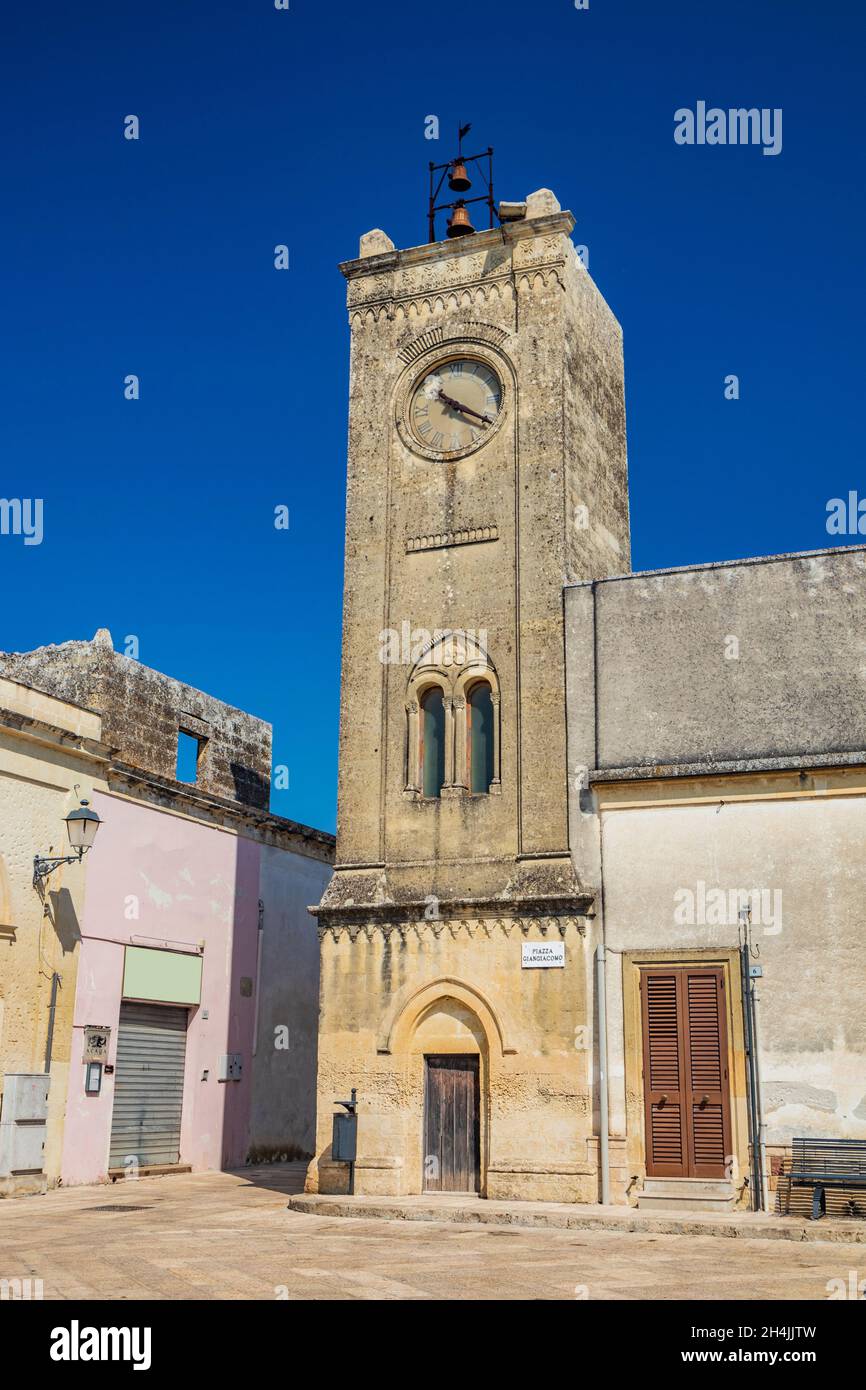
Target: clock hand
{"x":467,"y":409}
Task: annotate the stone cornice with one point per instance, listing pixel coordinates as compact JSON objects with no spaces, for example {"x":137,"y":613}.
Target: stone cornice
{"x":483,"y":926}
{"x":477,"y":279}
{"x":185,"y":800}
{"x":549,"y":224}
{"x":659,"y":772}
{"x":51,"y":736}
{"x":472,"y":915}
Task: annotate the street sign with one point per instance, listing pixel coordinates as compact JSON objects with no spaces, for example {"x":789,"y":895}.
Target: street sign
{"x":541,"y":955}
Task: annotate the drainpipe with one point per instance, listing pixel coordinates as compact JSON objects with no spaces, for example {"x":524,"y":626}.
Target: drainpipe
{"x":762,"y":1128}
{"x":600,"y":958}
{"x":52,"y":1007}
{"x":603,"y":1107}
{"x":760,"y":1189}
{"x":258,"y":975}
{"x":757,"y":1186}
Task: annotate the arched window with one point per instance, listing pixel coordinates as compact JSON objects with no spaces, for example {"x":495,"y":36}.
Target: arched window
{"x":432,"y":741}
{"x":479,"y":733}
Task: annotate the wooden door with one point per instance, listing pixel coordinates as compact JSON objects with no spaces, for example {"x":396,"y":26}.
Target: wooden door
{"x":452,"y":1149}
{"x":686,"y":1089}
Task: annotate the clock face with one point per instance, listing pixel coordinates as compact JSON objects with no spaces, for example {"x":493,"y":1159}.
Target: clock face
{"x":454,"y":405}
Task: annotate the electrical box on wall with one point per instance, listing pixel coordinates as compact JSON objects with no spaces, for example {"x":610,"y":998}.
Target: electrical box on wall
{"x":230,"y":1066}
{"x":23,"y":1123}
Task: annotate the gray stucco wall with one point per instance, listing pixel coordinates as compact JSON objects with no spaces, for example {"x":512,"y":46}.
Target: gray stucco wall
{"x":283,"y":1108}
{"x":716,"y":737}
{"x":751,"y":660}
{"x":805,"y":856}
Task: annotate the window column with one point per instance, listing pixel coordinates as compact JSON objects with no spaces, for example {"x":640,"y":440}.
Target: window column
{"x":413,"y":760}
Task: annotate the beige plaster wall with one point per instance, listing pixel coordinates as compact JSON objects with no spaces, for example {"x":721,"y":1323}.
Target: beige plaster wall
{"x":458,"y":986}
{"x":40,"y":935}
{"x":797,"y":835}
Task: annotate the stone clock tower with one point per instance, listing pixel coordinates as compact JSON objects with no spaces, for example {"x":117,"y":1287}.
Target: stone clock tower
{"x":486,"y":470}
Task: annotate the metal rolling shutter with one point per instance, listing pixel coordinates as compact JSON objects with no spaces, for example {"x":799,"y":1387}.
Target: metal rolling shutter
{"x":148,"y":1087}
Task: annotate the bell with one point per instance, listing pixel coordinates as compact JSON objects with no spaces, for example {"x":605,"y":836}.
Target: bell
{"x":459,"y":225}
{"x":458,"y":179}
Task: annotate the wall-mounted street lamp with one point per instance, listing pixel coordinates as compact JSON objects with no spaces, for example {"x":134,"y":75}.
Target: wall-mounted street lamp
{"x":81,"y":825}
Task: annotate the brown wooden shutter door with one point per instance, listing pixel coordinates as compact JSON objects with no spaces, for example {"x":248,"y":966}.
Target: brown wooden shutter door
{"x":709,"y":1094}
{"x":686,"y":1092}
{"x":663,"y":1051}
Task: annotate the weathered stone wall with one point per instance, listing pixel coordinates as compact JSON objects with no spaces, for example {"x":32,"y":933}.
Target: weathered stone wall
{"x":480,"y":543}
{"x":476,"y":544}
{"x":390,"y":996}
{"x":519,"y":300}
{"x":713,"y":664}
{"x":597,"y":538}
{"x":142,"y":711}
{"x":283,"y":1108}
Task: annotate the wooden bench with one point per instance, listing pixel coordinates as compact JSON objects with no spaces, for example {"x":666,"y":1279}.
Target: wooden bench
{"x":823,"y":1163}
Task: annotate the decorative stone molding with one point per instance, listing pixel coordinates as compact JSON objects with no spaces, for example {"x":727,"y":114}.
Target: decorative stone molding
{"x":469,"y":535}
{"x":526,"y":918}
{"x":419,"y":345}
{"x":464,"y":256}
{"x":415,"y":1000}
{"x":435,"y":337}
{"x":415,"y":308}
{"x":532,"y":280}
{"x":431,"y":280}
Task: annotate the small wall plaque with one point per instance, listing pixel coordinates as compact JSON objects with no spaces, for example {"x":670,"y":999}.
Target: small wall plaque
{"x":542,"y":955}
{"x":96,"y":1042}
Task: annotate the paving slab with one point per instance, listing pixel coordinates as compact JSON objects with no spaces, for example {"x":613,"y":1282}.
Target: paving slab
{"x":215,"y":1236}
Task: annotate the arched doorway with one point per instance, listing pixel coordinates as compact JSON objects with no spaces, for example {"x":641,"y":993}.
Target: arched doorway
{"x":448,"y":1059}
{"x":446,"y":1018}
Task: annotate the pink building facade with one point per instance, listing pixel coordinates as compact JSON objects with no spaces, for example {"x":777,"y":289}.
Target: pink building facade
{"x":194,"y":1034}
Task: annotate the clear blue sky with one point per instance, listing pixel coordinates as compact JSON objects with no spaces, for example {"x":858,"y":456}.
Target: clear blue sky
{"x":306,"y":127}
